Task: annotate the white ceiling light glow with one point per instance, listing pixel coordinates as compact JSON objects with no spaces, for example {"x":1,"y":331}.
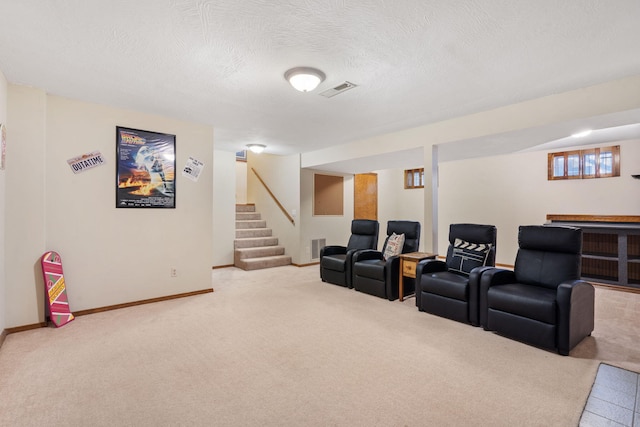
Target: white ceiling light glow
{"x":304,"y":79}
{"x":582,"y":134}
{"x":256,"y":148}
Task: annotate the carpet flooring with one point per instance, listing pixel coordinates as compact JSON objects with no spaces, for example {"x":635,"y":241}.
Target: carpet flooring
{"x":278,"y":347}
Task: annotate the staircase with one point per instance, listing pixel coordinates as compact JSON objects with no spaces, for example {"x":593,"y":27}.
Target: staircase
{"x":255,"y":247}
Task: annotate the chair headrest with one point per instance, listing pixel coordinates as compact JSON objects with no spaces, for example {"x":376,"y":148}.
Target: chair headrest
{"x":550,"y":238}
{"x":475,"y":233}
{"x":410,"y":229}
{"x":364,"y":226}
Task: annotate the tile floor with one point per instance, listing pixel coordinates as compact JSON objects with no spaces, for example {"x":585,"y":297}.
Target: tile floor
{"x":614,"y":400}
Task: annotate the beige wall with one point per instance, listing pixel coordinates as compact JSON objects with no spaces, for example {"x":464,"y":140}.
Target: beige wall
{"x":397,"y":203}
{"x":282,"y":175}
{"x":47,"y":207}
{"x":513,"y":190}
{"x":110,"y":255}
{"x":334,"y":228}
{"x":241,"y":182}
{"x":394,"y":203}
{"x":224,"y":214}
{"x":611,"y":97}
{"x":3,"y":119}
{"x":25,"y":205}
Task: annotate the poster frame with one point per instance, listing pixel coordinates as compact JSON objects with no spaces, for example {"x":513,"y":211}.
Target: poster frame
{"x":156,"y":167}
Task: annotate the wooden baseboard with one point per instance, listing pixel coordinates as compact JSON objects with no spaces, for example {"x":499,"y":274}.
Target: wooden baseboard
{"x":618,"y":288}
{"x":3,"y":335}
{"x":305,"y":265}
{"x":141,"y":302}
{"x":508,"y":266}
{"x":107,"y":308}
{"x":295,"y":265}
{"x":215,"y":267}
{"x":26,"y":328}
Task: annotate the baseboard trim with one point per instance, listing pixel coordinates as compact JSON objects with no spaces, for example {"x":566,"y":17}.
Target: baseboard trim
{"x":26,"y":328}
{"x":509,"y":266}
{"x":106,"y":308}
{"x":295,"y":265}
{"x":3,"y":335}
{"x":215,"y":267}
{"x":618,"y":288}
{"x":141,"y":302}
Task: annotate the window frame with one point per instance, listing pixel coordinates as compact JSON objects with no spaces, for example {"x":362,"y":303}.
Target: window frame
{"x":409,"y":178}
{"x":596,"y":152}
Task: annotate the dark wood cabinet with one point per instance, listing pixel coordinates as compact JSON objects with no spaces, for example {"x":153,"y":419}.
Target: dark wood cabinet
{"x":610,"y":247}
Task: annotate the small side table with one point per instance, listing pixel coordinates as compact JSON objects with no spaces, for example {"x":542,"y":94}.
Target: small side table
{"x":408,"y":265}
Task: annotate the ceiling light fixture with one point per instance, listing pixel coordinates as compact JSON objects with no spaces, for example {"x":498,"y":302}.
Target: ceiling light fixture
{"x":256,"y":148}
{"x":582,"y":134}
{"x":304,"y":79}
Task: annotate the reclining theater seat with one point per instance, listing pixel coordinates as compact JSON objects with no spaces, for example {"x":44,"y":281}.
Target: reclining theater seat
{"x":375,"y":275}
{"x":335,"y":261}
{"x":542,"y":301}
{"x":451,"y":288}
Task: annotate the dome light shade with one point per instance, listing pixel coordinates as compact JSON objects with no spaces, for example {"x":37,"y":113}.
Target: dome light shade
{"x":304,"y":79}
{"x":256,"y":148}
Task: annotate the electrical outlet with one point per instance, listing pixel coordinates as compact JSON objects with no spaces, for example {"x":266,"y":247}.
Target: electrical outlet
{"x":174,"y":272}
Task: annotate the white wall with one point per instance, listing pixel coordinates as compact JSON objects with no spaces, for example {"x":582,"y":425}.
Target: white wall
{"x":3,"y":119}
{"x":513,"y":190}
{"x":241,"y":182}
{"x":610,"y":97}
{"x":336,"y":229}
{"x":397,"y":203}
{"x":394,"y":203}
{"x":224,"y":200}
{"x":25,"y":236}
{"x":110,"y":255}
{"x":282,"y":175}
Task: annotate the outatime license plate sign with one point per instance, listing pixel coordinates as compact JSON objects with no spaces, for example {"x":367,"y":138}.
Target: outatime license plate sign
{"x":86,"y":162}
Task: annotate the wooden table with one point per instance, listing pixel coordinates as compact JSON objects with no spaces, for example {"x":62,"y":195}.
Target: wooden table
{"x":408,"y":264}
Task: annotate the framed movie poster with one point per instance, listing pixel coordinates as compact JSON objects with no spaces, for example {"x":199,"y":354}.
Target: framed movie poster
{"x":145,"y":169}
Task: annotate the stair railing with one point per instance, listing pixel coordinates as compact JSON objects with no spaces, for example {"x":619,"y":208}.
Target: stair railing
{"x":275,"y":199}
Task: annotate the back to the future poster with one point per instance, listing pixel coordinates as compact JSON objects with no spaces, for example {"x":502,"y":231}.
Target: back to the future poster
{"x":146,"y":164}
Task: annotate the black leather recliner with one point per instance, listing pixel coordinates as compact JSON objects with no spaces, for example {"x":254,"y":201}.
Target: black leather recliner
{"x":335,"y":261}
{"x":450,"y":288}
{"x":374,"y":275}
{"x":542,"y":301}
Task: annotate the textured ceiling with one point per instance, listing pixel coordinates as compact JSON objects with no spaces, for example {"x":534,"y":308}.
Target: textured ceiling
{"x":222,"y":62}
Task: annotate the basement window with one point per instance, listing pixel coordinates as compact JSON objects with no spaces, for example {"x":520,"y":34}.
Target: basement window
{"x":414,"y":178}
{"x":601,"y":162}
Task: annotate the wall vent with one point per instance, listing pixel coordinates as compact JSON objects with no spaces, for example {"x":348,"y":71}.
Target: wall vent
{"x":316,"y":245}
{"x":343,"y":87}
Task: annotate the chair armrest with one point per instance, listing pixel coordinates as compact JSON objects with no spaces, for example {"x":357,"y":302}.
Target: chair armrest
{"x":427,"y":266}
{"x":430,"y":266}
{"x":349,"y":266}
{"x":366,"y":254}
{"x":576,"y":301}
{"x":332,"y":250}
{"x":391,"y":279}
{"x":476,"y":274}
{"x":492,"y":277}
{"x":474,"y":293}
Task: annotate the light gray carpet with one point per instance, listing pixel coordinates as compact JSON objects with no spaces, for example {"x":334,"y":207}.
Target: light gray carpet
{"x":278,"y":347}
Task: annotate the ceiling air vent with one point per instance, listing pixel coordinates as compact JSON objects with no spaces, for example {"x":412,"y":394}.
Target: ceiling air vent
{"x":343,"y":87}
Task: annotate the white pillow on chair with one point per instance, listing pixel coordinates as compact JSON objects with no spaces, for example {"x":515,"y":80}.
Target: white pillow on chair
{"x":395,"y":243}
